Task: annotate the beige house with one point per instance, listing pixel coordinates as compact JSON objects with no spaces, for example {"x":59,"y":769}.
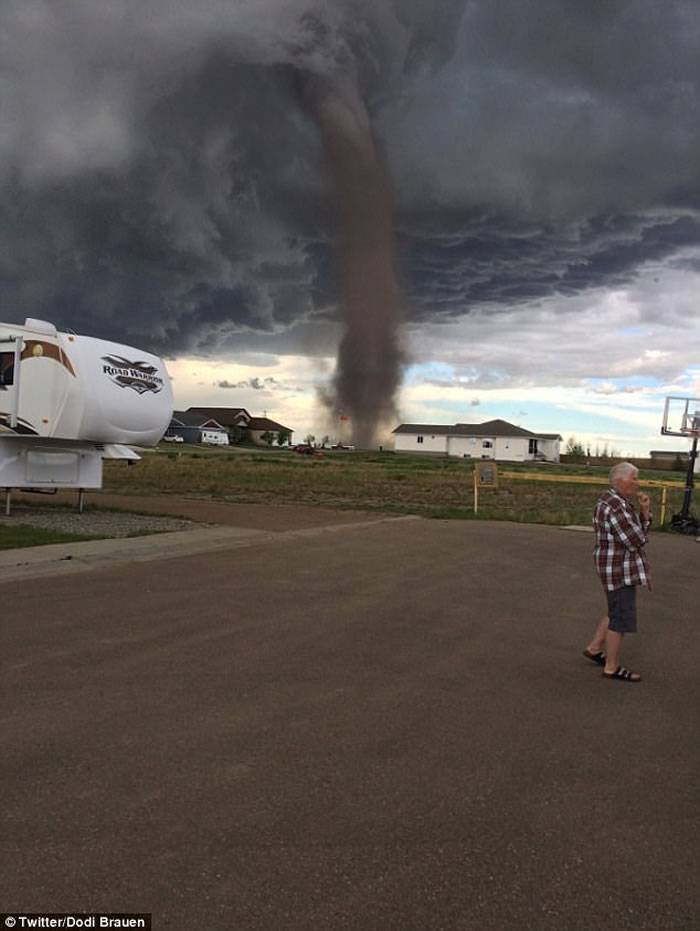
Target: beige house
{"x":238,"y":422}
{"x":668,"y":458}
{"x":258,"y":427}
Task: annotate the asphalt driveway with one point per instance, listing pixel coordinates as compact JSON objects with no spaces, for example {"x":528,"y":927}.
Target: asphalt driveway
{"x":390,"y":726}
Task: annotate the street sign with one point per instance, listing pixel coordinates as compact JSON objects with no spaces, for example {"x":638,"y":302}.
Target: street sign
{"x":486,"y":474}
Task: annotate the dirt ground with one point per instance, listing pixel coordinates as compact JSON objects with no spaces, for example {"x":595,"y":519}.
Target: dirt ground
{"x":278,"y":517}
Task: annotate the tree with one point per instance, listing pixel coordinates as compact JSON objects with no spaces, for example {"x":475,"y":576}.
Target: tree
{"x":310,"y":439}
{"x":606,"y":453}
{"x":575,"y":448}
{"x":235,"y":435}
{"x":283,"y":436}
{"x":267,"y":437}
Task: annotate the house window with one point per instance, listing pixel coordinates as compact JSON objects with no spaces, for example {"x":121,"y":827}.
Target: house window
{"x":487,"y":444}
{"x":419,"y":439}
{"x":532,"y":447}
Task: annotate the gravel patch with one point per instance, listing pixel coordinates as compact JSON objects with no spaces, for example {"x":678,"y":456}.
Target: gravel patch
{"x":99,"y":523}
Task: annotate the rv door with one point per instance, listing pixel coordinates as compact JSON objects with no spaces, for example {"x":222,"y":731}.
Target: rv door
{"x":10,"y":356}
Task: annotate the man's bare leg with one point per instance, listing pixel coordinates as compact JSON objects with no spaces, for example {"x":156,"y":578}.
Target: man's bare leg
{"x":597,"y":644}
{"x":613,"y":642}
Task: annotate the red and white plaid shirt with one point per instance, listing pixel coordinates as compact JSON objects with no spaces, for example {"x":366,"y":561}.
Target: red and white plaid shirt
{"x":620,"y":537}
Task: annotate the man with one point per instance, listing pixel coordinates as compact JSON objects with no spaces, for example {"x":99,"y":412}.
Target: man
{"x":620,"y":537}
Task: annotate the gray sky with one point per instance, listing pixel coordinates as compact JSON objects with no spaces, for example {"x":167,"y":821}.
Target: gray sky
{"x":161,"y":181}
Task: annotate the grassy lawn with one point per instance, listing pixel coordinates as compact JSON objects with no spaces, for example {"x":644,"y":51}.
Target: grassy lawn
{"x":21,"y":535}
{"x":434,"y":487}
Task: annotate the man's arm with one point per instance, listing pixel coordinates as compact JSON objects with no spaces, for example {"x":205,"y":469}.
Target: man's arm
{"x":631,"y":533}
{"x":644,"y":512}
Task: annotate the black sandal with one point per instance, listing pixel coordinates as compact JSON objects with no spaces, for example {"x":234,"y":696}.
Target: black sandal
{"x":624,"y":674}
{"x":597,"y":658}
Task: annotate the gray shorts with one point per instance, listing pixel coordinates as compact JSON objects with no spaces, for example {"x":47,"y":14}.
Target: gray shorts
{"x":622,"y":610}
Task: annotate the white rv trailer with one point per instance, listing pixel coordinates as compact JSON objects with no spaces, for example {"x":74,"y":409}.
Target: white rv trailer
{"x":67,"y":402}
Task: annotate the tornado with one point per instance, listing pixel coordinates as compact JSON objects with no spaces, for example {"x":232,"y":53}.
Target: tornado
{"x":369,"y":358}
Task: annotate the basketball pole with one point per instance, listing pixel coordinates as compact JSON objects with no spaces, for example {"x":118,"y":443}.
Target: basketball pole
{"x":684,"y":420}
{"x":684,"y":521}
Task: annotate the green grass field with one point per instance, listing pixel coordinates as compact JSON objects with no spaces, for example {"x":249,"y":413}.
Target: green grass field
{"x":433,"y":487}
{"x":21,"y":535}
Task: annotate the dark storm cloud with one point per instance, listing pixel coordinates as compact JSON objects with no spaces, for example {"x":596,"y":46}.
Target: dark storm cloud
{"x":489,"y":263}
{"x":161,"y":181}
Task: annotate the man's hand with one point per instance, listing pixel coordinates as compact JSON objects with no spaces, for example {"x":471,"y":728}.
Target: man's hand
{"x":643,"y":504}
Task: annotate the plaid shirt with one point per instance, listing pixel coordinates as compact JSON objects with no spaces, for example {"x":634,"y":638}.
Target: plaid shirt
{"x":620,"y":537}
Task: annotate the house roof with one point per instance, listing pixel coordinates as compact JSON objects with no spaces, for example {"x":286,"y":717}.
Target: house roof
{"x":264,"y":423}
{"x":226,"y":416}
{"x":440,"y":429}
{"x":489,"y":428}
{"x":190,"y":419}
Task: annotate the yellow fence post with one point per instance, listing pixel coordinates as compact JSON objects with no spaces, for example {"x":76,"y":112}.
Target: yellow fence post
{"x":664,"y":485}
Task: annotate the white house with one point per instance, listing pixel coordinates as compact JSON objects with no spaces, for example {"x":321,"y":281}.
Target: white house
{"x":495,"y":439}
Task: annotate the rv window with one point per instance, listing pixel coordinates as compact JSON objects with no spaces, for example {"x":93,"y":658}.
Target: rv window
{"x":7,"y":368}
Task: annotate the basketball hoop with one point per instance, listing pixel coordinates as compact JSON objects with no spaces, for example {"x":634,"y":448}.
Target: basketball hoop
{"x":681,"y":417}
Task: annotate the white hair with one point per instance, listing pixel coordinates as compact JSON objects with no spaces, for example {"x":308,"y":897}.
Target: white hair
{"x":622,"y":470}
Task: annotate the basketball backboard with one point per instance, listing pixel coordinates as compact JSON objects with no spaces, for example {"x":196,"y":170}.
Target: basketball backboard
{"x":681,"y":417}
